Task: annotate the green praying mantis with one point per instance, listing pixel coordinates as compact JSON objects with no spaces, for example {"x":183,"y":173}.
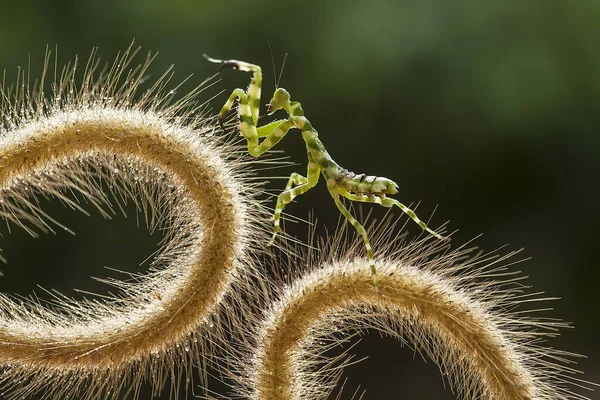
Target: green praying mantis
{"x":340,"y":181}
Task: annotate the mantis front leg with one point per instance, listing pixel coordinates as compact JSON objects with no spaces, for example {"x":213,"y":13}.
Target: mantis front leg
{"x":249,"y":102}
{"x":226,"y":109}
{"x":273,"y":131}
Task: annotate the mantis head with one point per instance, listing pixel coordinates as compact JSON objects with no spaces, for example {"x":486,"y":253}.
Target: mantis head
{"x":280,"y":100}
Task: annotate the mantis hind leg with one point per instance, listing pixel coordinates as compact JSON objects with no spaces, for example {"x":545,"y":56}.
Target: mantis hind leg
{"x":389,"y":202}
{"x":304,"y":185}
{"x":359,"y":228}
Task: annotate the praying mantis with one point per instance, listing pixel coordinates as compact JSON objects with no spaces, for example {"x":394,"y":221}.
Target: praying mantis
{"x":340,"y":181}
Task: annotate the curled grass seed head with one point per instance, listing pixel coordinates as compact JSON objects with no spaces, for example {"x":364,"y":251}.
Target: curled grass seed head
{"x":101,"y":141}
{"x":462,"y":308}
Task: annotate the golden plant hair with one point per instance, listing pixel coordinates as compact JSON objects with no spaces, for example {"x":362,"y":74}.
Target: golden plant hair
{"x":102,"y":143}
{"x":105,"y":137}
{"x":464,"y":309}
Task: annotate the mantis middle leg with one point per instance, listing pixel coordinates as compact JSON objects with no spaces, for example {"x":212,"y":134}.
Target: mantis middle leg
{"x":359,"y":228}
{"x":304,"y":185}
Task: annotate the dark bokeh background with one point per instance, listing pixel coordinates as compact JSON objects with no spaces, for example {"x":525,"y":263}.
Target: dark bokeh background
{"x":488,"y":109}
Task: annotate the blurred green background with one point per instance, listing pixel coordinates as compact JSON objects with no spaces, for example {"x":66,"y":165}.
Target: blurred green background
{"x":489,"y":110}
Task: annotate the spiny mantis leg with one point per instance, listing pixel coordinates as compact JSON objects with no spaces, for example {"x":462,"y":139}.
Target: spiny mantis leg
{"x":272,"y":137}
{"x":305,"y":184}
{"x":249,"y":108}
{"x":252,"y":102}
{"x":237,"y":93}
{"x":273,"y":131}
{"x":267,"y":129}
{"x":359,"y":228}
{"x":389,"y":202}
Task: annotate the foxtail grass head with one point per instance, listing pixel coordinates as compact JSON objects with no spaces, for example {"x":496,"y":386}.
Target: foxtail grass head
{"x":101,"y":140}
{"x":463,"y":309}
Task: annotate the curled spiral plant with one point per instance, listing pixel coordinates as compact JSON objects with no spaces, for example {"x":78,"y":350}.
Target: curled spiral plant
{"x":461,"y":308}
{"x":103,"y":140}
